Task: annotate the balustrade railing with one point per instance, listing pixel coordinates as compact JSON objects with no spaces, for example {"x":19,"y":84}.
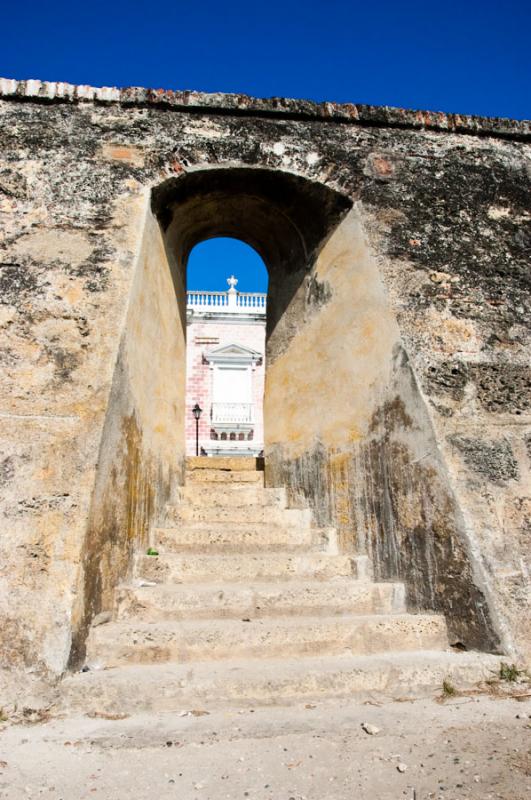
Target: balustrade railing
{"x":237,"y":302}
{"x":251,"y":300}
{"x":232,"y":413}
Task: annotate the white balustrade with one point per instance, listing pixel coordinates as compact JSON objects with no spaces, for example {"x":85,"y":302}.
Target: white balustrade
{"x":232,"y":413}
{"x":231,"y":301}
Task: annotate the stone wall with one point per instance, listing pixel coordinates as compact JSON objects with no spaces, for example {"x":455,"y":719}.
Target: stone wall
{"x":398,"y":387}
{"x":142,"y":449}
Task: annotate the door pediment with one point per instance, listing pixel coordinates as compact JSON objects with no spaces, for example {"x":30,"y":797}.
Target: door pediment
{"x":232,"y":354}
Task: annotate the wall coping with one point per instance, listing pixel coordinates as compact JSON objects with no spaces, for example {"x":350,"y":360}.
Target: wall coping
{"x":273,"y":107}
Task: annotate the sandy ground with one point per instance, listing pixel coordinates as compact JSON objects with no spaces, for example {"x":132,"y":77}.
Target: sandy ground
{"x":467,"y":747}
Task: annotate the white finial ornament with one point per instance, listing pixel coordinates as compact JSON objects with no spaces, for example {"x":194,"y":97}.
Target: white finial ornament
{"x":232,"y":281}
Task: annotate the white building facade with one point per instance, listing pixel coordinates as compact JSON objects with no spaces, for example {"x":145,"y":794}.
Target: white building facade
{"x":225,"y":371}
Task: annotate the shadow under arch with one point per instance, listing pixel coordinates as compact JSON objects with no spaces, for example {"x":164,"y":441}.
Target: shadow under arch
{"x":286,"y":218}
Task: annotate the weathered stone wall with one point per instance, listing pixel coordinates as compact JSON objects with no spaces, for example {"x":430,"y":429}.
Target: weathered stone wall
{"x":361,"y":445}
{"x":142,"y":445}
{"x":93,"y":361}
{"x":398,"y":385}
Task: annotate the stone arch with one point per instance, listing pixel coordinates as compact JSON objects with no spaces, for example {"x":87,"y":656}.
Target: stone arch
{"x":286,"y":218}
{"x":345,"y":423}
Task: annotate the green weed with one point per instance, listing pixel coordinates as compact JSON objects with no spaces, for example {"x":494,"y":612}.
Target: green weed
{"x":448,"y":689}
{"x":509,"y":672}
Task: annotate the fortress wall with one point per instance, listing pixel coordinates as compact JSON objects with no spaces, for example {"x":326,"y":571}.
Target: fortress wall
{"x":91,"y":331}
{"x":141,"y":457}
{"x":409,"y":387}
{"x":349,"y":430}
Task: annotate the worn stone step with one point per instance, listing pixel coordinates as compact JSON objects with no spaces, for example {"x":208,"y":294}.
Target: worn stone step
{"x":241,"y":538}
{"x":195,"y":568}
{"x":239,"y":494}
{"x":238,"y":538}
{"x":204,"y":601}
{"x":229,"y":463}
{"x":118,"y":643}
{"x":232,"y":512}
{"x":236,"y":683}
{"x":224,"y":476}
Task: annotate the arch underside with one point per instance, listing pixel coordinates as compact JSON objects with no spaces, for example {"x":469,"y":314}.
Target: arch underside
{"x":284,"y":217}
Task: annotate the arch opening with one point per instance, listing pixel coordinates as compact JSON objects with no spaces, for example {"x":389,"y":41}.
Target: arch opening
{"x":285,"y":219}
{"x":282,"y":216}
{"x":212,"y":261}
{"x":225,"y":349}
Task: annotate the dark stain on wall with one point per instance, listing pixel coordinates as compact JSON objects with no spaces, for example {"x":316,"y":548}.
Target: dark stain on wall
{"x":398,"y":508}
{"x":65,"y":362}
{"x":131,"y":490}
{"x":447,"y":378}
{"x":494,"y":459}
{"x":17,"y":281}
{"x":503,"y":387}
{"x":318,"y":293}
{"x":13,"y":184}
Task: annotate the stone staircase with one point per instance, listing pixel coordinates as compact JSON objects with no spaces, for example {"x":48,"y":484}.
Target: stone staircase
{"x":248,"y":602}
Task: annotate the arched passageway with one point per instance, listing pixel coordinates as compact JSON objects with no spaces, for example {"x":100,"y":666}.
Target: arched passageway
{"x":284,"y":217}
{"x":345,"y":423}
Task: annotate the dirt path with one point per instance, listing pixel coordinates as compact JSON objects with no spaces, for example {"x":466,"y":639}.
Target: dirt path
{"x":467,"y":748}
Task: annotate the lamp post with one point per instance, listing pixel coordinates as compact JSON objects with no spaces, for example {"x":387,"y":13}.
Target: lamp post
{"x":197,"y":411}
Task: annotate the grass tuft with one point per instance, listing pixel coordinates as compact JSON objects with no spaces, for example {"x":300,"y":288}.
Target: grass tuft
{"x":509,"y":672}
{"x":448,"y":689}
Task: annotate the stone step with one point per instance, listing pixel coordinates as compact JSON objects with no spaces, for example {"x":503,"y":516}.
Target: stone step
{"x":230,"y":463}
{"x":119,"y":643}
{"x":237,"y":683}
{"x":204,"y":601}
{"x":202,"y":568}
{"x":239,"y":494}
{"x":224,"y":476}
{"x":224,"y":537}
{"x":232,"y":512}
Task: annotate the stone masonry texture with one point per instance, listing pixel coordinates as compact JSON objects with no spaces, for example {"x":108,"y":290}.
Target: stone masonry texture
{"x":398,"y":388}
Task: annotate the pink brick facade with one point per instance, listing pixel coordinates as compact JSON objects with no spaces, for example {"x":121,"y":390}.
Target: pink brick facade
{"x":207,"y":332}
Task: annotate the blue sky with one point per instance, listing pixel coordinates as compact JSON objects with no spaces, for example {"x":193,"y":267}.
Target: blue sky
{"x":212,"y":262}
{"x":469,"y":56}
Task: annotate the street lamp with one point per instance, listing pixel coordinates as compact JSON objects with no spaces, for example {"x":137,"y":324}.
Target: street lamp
{"x":197,"y":411}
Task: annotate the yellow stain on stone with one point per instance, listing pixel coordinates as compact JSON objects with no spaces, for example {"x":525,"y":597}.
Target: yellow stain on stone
{"x":43,"y":473}
{"x":339,"y":460}
{"x":451,"y":335}
{"x":354,"y":434}
{"x":338,"y":480}
{"x":73,"y":294}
